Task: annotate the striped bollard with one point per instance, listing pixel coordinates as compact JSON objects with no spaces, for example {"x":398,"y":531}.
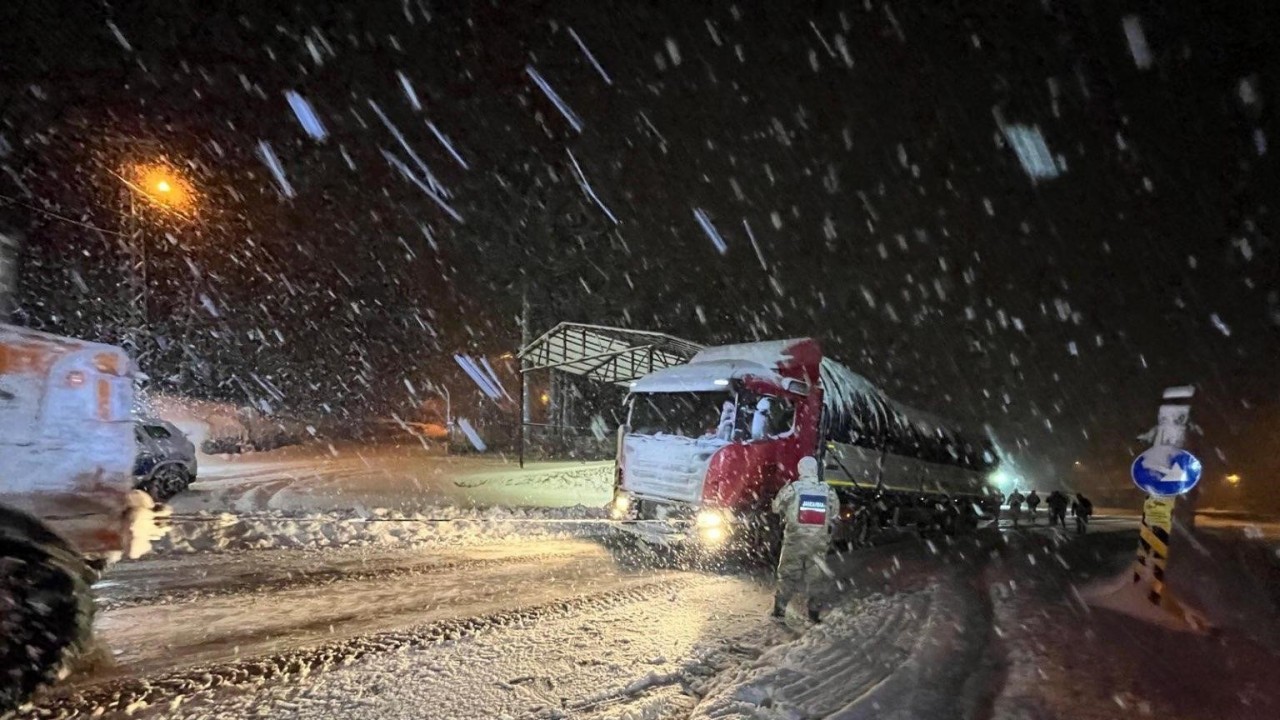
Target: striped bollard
{"x":1164,"y":472}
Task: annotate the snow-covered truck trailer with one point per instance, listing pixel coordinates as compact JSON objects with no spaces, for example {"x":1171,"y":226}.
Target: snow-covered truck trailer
{"x":707,"y":445}
{"x":67,"y":497}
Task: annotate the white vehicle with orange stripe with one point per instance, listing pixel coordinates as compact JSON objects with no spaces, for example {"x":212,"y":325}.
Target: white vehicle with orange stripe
{"x":67,"y":500}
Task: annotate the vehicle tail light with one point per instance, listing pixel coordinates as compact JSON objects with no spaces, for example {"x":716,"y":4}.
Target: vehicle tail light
{"x":108,"y":363}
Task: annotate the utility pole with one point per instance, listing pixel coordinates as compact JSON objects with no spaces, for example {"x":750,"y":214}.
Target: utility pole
{"x":139,"y":300}
{"x":10,"y":246}
{"x":526,"y":335}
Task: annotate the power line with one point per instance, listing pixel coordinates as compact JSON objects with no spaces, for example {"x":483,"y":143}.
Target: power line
{"x":63,"y":218}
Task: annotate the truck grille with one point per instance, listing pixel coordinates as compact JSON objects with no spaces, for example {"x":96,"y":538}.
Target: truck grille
{"x":666,"y":467}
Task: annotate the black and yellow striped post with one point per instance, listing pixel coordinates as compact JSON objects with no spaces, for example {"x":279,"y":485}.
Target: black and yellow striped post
{"x":1153,"y":546}
{"x":1157,"y":514}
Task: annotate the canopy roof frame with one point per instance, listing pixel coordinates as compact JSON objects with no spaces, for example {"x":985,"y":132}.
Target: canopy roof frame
{"x":606,"y":354}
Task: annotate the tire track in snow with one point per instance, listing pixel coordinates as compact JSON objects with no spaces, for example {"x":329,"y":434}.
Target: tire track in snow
{"x":924,"y":646}
{"x":843,"y":677}
{"x":315,"y":578}
{"x":674,"y":685}
{"x":131,"y":694}
{"x":989,"y":658}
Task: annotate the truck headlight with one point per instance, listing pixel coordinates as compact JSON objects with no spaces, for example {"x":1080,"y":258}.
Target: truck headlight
{"x":621,"y":506}
{"x":708,"y":519}
{"x":712,"y":535}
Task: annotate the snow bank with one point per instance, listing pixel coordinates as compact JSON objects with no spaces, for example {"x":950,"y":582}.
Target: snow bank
{"x":226,"y":532}
{"x":220,"y":426}
{"x":1227,"y":576}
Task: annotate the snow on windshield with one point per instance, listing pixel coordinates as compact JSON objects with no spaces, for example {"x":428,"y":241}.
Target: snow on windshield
{"x":690,"y":415}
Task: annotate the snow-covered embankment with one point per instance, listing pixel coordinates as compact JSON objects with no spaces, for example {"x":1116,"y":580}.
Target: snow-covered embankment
{"x":225,"y":532}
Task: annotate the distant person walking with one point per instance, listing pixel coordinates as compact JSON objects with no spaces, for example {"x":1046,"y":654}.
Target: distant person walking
{"x":1015,"y":505}
{"x":1033,"y":502}
{"x":1057,"y":503}
{"x":1082,"y":509}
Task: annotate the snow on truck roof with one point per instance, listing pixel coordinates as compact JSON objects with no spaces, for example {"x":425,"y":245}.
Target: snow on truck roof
{"x":703,"y":376}
{"x":769,"y":354}
{"x":13,"y":334}
{"x":23,"y":350}
{"x":713,"y":367}
{"x":860,"y":413}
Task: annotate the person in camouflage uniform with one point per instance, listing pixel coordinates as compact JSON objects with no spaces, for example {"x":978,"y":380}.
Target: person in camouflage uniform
{"x":808,"y":508}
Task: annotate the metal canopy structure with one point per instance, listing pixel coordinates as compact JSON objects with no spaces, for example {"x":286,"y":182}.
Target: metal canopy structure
{"x":605,"y":354}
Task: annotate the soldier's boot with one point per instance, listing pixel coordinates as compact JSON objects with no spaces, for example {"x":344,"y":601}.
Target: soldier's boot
{"x":779,"y":606}
{"x":813,"y":611}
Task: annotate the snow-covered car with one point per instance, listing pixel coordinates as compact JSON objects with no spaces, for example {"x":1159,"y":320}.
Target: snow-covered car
{"x":166,"y":460}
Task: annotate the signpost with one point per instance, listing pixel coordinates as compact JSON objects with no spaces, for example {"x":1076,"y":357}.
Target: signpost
{"x":1164,"y":472}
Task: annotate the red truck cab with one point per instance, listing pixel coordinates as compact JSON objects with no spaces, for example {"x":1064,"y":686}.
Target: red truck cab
{"x":708,"y":445}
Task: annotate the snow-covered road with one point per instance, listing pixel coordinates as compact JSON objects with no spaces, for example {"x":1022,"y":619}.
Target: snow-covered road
{"x":482,"y":631}
{"x":539,"y":626}
{"x":379,"y":582}
{"x":268,"y":603}
{"x":407,"y":478}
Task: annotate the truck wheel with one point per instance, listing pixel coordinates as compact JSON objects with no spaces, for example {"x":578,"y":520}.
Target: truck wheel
{"x":165,"y":483}
{"x":46,"y":616}
{"x":761,"y":543}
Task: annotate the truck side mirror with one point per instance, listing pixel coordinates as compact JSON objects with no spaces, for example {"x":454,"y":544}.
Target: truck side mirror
{"x":798,"y":387}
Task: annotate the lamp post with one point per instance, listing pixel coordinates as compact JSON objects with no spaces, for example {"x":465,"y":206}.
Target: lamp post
{"x":447,"y":396}
{"x":448,"y":410}
{"x":164,"y":189}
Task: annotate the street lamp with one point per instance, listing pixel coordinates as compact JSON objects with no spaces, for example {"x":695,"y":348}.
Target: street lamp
{"x":162,"y":187}
{"x":1233,"y":479}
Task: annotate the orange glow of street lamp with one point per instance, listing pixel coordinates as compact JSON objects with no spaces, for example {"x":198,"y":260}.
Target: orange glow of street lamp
{"x":1233,"y":479}
{"x":163,"y":186}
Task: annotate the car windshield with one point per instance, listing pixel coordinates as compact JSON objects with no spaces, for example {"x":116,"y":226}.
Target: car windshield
{"x":158,"y":432}
{"x":690,"y":415}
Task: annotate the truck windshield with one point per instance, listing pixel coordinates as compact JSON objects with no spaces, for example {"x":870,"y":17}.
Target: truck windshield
{"x":691,"y":415}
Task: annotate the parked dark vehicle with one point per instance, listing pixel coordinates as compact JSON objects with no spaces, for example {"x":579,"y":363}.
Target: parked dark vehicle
{"x":166,"y":460}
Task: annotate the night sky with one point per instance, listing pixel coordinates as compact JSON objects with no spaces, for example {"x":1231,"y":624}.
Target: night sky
{"x":864,"y":147}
